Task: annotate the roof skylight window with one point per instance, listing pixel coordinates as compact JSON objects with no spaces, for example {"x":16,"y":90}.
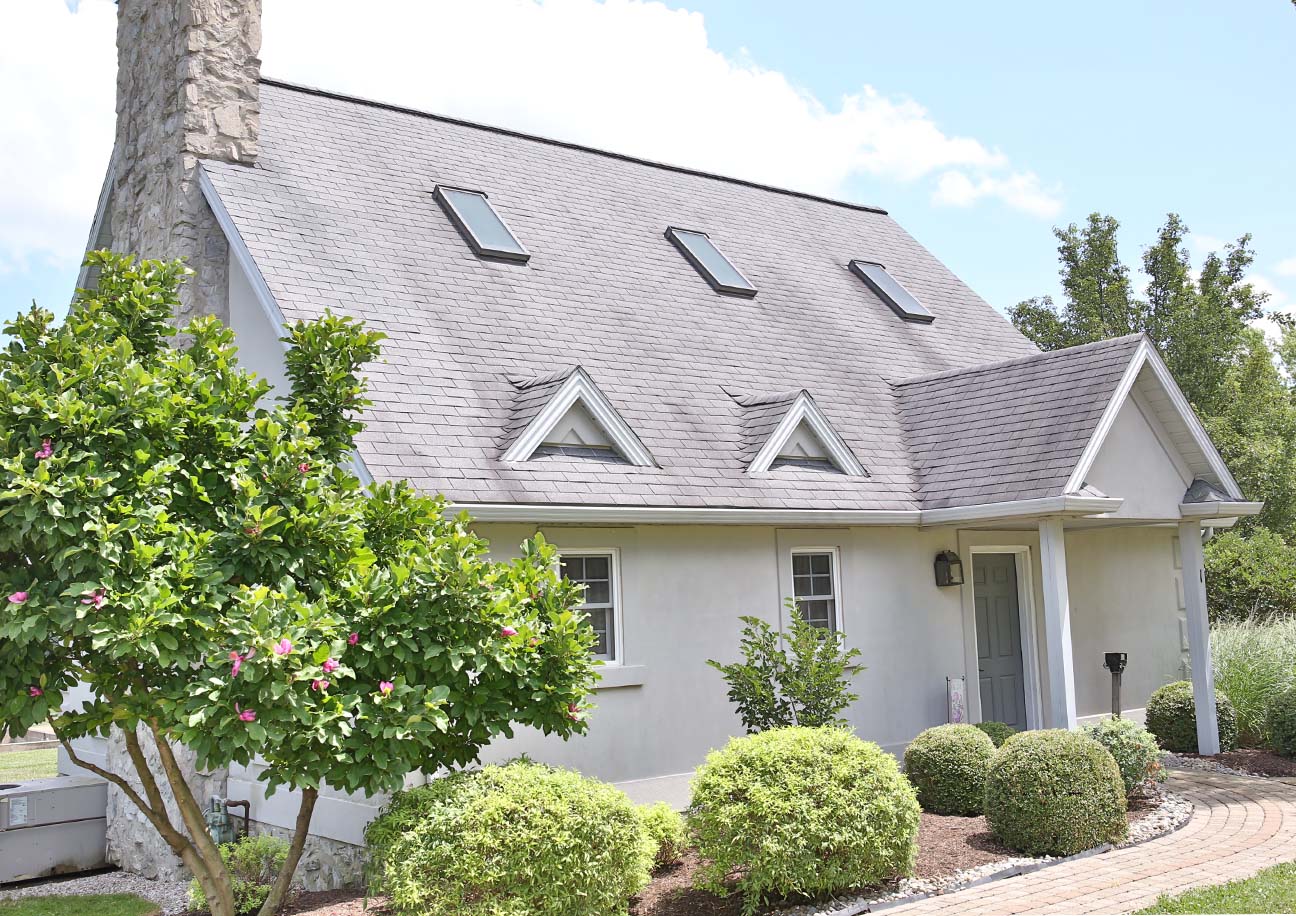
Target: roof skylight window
{"x":479,"y":224}
{"x":889,"y":290}
{"x":719,"y":271}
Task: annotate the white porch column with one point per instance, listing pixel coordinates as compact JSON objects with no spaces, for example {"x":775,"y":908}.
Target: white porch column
{"x":1057,"y":625}
{"x":1203,"y":674}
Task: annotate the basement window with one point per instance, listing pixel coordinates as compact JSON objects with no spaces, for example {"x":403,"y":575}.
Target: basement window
{"x":706,"y":258}
{"x":889,"y":290}
{"x":479,"y":224}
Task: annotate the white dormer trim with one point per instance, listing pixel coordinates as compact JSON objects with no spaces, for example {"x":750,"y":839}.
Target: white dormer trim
{"x":580,"y":387}
{"x":805,"y":410}
{"x":1146,"y":355}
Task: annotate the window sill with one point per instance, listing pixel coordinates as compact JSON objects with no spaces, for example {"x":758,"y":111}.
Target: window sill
{"x":613,"y":676}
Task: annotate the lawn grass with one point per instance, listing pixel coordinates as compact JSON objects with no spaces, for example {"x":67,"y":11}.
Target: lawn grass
{"x":88,"y":905}
{"x":20,"y":766}
{"x":1271,"y":891}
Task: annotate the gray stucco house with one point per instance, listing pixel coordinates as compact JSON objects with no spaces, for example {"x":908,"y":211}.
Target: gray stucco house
{"x":711,"y":394}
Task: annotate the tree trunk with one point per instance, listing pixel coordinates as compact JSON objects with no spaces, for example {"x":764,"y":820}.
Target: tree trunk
{"x":283,"y":880}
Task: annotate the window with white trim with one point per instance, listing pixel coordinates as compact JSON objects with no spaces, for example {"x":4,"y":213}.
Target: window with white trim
{"x":597,"y":572}
{"x":814,"y":586}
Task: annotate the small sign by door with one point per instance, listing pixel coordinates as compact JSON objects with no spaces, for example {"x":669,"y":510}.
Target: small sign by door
{"x":956,"y":692}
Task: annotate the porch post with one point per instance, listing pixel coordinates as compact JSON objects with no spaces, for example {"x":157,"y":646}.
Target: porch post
{"x":1203,"y":675}
{"x":1057,"y":625}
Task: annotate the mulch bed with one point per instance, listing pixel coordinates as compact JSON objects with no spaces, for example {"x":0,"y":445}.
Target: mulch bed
{"x":945,"y":845}
{"x":1253,"y":760}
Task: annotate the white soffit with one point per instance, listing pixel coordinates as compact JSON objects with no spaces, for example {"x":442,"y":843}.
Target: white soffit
{"x":1157,"y":392}
{"x":579,"y":389}
{"x":805,"y":412}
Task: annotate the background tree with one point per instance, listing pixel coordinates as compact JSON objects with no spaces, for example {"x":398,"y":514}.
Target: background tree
{"x":201,"y":560}
{"x":1202,"y":324}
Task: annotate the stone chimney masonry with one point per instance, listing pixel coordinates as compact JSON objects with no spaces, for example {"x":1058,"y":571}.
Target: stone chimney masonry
{"x":187,"y":89}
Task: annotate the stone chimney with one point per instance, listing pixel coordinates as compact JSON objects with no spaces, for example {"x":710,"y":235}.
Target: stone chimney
{"x":187,"y":89}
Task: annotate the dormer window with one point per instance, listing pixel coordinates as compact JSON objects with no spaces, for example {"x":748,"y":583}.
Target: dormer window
{"x":707,"y":259}
{"x":479,"y":224}
{"x":888,"y":289}
{"x":566,"y":415}
{"x":802,"y":437}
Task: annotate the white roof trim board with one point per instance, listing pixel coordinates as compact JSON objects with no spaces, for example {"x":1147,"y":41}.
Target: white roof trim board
{"x":804,"y":410}
{"x":1147,"y":356}
{"x":580,"y":387}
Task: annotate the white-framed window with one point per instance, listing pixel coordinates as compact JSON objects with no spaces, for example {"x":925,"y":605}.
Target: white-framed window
{"x":599,"y":571}
{"x":816,"y":586}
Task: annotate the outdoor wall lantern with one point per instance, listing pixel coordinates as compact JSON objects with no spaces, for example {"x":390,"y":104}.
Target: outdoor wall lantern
{"x":949,"y":568}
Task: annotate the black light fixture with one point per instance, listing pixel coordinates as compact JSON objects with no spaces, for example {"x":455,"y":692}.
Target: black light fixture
{"x":949,"y":568}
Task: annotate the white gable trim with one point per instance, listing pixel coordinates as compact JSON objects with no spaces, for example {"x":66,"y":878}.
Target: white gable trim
{"x":804,"y":409}
{"x":580,"y":387}
{"x":1146,"y":355}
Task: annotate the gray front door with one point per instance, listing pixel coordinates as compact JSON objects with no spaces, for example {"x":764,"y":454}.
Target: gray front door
{"x":998,"y":636}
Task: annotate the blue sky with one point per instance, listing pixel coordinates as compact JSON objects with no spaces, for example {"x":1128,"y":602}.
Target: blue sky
{"x":979,"y":126}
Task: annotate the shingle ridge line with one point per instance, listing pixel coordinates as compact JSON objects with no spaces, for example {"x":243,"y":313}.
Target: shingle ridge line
{"x":1019,"y":361}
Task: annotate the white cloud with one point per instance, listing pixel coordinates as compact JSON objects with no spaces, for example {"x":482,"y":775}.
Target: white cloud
{"x":627,"y":75}
{"x":1278,"y":303}
{"x":1205,"y":244}
{"x":1286,"y":267}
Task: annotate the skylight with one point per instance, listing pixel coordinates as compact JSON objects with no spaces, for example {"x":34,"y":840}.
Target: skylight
{"x":479,"y":224}
{"x":718,"y":270}
{"x":889,"y":290}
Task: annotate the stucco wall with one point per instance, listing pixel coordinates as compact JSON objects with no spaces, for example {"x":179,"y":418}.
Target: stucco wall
{"x":1135,"y":465}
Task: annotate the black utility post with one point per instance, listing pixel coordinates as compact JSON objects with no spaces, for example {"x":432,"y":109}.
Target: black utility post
{"x":1115,"y":663}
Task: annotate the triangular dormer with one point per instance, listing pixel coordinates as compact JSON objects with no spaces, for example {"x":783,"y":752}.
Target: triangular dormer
{"x":805,"y":438}
{"x":569,"y":416}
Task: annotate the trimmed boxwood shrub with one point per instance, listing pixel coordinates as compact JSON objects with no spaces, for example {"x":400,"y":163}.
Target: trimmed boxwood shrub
{"x":1281,"y":723}
{"x":999,"y":732}
{"x":1172,"y":717}
{"x":947,"y":766}
{"x":1132,"y":747}
{"x":665,"y":827}
{"x":520,"y":838}
{"x":1055,"y":793}
{"x":801,"y":811}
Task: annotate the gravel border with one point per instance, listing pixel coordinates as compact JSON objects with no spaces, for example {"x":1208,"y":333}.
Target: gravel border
{"x":1175,"y":762}
{"x":171,"y":896}
{"x":1171,"y":813}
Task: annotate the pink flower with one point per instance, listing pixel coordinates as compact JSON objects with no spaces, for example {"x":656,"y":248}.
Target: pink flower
{"x":35,"y":692}
{"x":353,"y":639}
{"x":304,"y":467}
{"x":572,"y":710}
{"x":507,"y":631}
{"x":330,"y":665}
{"x":319,"y":684}
{"x":46,"y":450}
{"x":17,"y":597}
{"x":238,"y":661}
{"x":385,"y":687}
{"x":245,"y":715}
{"x":283,"y":647}
{"x":98,"y":598}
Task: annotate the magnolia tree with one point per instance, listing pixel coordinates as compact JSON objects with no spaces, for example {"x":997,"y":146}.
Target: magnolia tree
{"x":202,"y":557}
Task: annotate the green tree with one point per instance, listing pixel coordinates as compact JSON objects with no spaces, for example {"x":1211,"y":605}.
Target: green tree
{"x":200,"y":559}
{"x":806,"y":682}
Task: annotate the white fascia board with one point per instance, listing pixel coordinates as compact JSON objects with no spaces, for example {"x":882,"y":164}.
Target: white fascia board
{"x":260,"y":289}
{"x":1147,"y":355}
{"x":580,"y":387}
{"x":804,"y":408}
{"x":1077,"y":506}
{"x":1218,"y":509}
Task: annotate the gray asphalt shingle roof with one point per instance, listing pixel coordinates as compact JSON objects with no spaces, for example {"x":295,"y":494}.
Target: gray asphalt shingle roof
{"x":338,"y":213}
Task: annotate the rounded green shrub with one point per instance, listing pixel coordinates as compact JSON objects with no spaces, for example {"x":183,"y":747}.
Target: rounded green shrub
{"x":1172,"y":717}
{"x":516,"y":839}
{"x":665,"y":827}
{"x":253,"y":863}
{"x":947,"y":766}
{"x":999,"y":732}
{"x":1132,"y":747}
{"x":1281,"y":723}
{"x":1055,"y":793}
{"x":801,"y":811}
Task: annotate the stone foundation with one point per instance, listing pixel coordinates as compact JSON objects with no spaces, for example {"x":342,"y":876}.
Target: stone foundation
{"x":325,"y":864}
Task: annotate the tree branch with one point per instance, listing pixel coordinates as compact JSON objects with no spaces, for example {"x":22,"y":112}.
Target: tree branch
{"x":301,"y":830}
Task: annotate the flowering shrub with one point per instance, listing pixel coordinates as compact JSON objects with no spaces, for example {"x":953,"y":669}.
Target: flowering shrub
{"x":947,"y":766}
{"x":253,"y":862}
{"x":1171,"y":715}
{"x":801,"y":811}
{"x":665,"y":827}
{"x":515,"y":839}
{"x":208,"y":564}
{"x":1133,"y":748}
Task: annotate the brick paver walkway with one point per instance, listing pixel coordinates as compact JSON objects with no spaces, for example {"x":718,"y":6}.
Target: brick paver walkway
{"x":1239,"y":825}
